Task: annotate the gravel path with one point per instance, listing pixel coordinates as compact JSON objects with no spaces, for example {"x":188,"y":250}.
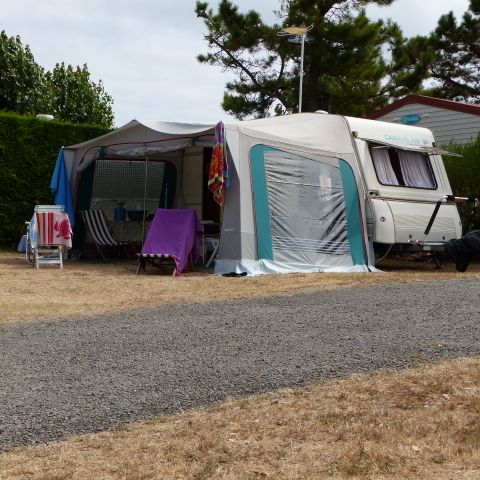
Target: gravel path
{"x":88,"y":374}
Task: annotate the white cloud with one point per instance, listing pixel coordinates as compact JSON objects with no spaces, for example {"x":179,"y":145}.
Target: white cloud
{"x":418,"y":17}
{"x":145,"y":51}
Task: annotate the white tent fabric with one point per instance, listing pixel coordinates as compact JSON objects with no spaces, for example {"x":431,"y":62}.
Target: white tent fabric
{"x":307,"y":208}
{"x":292,"y":135}
{"x":137,"y":138}
{"x":314,"y":132}
{"x":165,"y":129}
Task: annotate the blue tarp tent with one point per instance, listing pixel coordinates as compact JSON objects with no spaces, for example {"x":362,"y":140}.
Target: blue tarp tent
{"x":60,"y":186}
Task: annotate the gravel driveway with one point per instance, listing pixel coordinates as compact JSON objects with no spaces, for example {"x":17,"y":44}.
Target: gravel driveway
{"x":88,"y":374}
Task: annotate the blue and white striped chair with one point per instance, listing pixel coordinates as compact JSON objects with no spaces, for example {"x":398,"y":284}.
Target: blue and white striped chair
{"x":96,"y":224}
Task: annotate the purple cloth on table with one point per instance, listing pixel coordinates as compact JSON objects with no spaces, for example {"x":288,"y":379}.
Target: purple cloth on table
{"x":174,"y":232}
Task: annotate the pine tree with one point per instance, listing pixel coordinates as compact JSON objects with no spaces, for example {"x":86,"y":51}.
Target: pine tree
{"x":345,"y":69}
{"x":456,"y":66}
{"x":449,"y":58}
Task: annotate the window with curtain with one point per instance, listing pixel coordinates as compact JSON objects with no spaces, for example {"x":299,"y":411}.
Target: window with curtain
{"x":416,"y":169}
{"x":383,"y":166}
{"x":403,"y":168}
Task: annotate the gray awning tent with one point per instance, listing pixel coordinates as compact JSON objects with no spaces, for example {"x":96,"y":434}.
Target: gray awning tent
{"x":137,"y":138}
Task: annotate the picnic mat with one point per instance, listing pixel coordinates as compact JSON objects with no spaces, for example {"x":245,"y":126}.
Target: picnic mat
{"x":176,"y":233}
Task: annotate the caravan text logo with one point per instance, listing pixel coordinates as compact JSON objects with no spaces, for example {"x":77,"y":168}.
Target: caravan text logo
{"x":409,"y":140}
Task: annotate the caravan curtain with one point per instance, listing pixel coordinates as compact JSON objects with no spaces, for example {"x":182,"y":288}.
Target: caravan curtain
{"x":383,"y":166}
{"x":415,"y":169}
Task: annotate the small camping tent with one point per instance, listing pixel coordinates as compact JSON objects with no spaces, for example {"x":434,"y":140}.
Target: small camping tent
{"x":295,"y":201}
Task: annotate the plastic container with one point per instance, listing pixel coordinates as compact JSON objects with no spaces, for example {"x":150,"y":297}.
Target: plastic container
{"x":119,"y":214}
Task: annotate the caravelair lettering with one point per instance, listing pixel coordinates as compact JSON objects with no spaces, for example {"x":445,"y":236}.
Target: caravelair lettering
{"x":409,"y":140}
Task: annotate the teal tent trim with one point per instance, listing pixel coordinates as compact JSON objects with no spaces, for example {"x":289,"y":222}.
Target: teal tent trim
{"x":354,"y":216}
{"x":84,"y":200}
{"x":167,"y":194}
{"x":262,"y":209}
{"x":85,"y":190}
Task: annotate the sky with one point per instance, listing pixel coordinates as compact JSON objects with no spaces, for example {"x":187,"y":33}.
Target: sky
{"x":145,"y":51}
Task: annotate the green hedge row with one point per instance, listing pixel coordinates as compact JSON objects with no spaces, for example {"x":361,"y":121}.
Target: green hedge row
{"x":464,"y":175}
{"x":28,"y":150}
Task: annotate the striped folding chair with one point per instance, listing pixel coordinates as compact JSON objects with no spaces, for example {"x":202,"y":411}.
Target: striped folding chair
{"x":96,"y":224}
{"x":49,"y":235}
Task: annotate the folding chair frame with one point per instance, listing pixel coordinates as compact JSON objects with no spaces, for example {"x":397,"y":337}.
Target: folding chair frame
{"x":51,"y":259}
{"x":214,"y":243}
{"x":157,"y":260}
{"x":43,"y":254}
{"x":96,"y":225}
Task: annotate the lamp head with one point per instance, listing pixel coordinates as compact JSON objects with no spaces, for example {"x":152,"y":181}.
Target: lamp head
{"x":295,"y":30}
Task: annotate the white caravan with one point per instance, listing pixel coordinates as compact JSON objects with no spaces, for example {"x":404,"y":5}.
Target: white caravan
{"x":404,"y":178}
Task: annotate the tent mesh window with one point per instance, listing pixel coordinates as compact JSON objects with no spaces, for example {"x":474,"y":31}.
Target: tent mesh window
{"x":135,"y":185}
{"x":307,"y":208}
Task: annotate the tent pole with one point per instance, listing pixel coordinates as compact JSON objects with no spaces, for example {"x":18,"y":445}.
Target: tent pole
{"x":144,"y":198}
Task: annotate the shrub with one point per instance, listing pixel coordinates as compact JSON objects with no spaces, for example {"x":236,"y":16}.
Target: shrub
{"x":464,"y":175}
{"x":28,"y":150}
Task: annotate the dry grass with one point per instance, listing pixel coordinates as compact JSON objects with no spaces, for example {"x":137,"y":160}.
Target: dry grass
{"x":421,"y":423}
{"x":96,"y":288}
{"x":417,"y":424}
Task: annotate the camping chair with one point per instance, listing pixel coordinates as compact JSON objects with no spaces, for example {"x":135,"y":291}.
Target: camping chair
{"x":49,"y":233}
{"x":25,"y":244}
{"x":96,"y":225}
{"x":210,"y":241}
{"x":173,"y":236}
{"x":209,"y":244}
{"x":161,"y":260}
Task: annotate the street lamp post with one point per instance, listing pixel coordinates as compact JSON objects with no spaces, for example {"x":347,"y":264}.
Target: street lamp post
{"x":297,"y":33}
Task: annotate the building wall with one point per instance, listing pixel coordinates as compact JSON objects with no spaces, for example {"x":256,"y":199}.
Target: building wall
{"x":447,"y":125}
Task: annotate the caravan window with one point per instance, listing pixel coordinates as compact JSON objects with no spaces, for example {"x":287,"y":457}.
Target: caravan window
{"x":402,"y":168}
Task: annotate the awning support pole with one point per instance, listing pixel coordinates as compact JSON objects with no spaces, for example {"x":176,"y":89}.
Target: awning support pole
{"x":144,"y":199}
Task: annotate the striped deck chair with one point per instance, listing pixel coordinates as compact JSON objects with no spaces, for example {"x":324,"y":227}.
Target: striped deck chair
{"x":50,"y":235}
{"x":96,"y":224}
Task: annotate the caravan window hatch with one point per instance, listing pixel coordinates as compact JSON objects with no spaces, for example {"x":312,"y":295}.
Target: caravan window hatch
{"x":402,"y":168}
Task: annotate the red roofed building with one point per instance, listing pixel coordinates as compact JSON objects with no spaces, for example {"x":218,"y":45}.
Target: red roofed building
{"x":450,"y":121}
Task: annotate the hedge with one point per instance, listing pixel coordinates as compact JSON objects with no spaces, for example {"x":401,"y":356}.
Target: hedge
{"x":464,"y":175}
{"x":28,"y":150}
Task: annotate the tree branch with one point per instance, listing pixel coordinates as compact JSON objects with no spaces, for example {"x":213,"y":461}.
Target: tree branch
{"x":276,"y":94}
{"x":453,"y":83}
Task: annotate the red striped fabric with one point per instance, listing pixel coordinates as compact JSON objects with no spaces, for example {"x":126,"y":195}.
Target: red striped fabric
{"x":54,"y":229}
{"x":49,"y":228}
